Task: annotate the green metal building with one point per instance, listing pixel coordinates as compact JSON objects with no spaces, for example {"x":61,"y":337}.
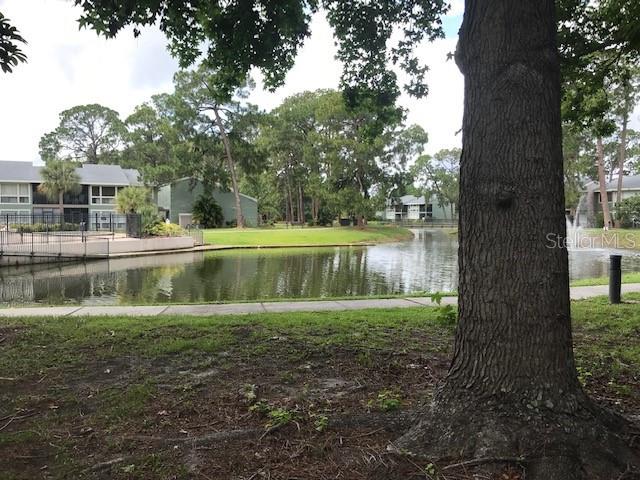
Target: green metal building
{"x":178,"y":198}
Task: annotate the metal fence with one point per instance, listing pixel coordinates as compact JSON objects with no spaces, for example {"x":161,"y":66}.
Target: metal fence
{"x":61,"y":245}
{"x":102,"y":222}
{"x":70,"y":236}
{"x":197,"y":234}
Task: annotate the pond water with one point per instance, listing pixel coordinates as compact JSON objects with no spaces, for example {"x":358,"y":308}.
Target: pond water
{"x":428,"y":263}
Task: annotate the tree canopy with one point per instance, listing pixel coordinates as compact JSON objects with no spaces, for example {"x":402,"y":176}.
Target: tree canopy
{"x":86,"y":134}
{"x":237,"y":36}
{"x":10,"y":53}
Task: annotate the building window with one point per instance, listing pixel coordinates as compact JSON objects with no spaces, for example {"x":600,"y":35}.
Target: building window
{"x":101,"y":195}
{"x":15,"y":193}
{"x":107,"y":221}
{"x":430,"y":210}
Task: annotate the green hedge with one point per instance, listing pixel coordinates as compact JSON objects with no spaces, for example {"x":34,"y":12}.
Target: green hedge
{"x":46,"y":227}
{"x":162,"y":229}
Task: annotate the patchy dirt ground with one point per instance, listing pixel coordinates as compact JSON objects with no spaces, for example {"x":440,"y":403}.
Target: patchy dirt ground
{"x":270,"y":401}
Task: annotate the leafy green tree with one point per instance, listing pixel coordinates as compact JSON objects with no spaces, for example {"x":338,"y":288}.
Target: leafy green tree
{"x":86,"y":134}
{"x":290,"y":136}
{"x":197,"y":153}
{"x":10,"y":53}
{"x":152,"y":142}
{"x":264,"y":188}
{"x":217,"y":111}
{"x":626,"y":94}
{"x":207,"y":212}
{"x":579,"y":164}
{"x":629,"y":212}
{"x":407,"y":146}
{"x":59,"y":177}
{"x":440,"y":175}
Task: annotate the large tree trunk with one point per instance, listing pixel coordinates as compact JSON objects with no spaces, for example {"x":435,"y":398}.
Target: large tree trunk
{"x":232,"y":169}
{"x":314,"y":209}
{"x":290,"y":203}
{"x":301,"y":204}
{"x":512,"y":388}
{"x":604,"y":200}
{"x":622,"y":157}
{"x":61,"y":206}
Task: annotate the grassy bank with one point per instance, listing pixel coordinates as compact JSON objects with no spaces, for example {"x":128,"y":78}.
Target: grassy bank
{"x":305,"y":236}
{"x":615,"y":238}
{"x":301,"y":395}
{"x":633,"y":277}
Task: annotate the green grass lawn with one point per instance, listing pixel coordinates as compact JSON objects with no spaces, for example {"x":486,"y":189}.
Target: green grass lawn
{"x":615,"y":238}
{"x":298,"y":395}
{"x":305,"y":236}
{"x":633,"y":277}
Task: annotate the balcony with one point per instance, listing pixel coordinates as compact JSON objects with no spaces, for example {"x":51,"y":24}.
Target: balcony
{"x":39,"y":198}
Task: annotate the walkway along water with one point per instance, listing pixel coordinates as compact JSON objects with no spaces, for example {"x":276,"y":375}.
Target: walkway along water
{"x":268,"y":307}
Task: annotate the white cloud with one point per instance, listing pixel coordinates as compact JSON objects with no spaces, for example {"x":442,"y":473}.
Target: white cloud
{"x":315,"y":68}
{"x":68,"y":67}
{"x":440,"y":113}
{"x":457,"y":7}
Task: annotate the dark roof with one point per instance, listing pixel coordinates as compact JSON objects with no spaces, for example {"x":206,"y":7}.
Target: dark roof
{"x":89,"y":174}
{"x":630,"y":182}
{"x":19,"y":172}
{"x":102,"y":175}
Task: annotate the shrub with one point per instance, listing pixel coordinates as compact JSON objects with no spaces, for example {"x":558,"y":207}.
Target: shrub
{"x":149,"y":217}
{"x":46,"y":227}
{"x":207,"y":212}
{"x":161,"y":229}
{"x":629,"y":211}
{"x":599,"y":220}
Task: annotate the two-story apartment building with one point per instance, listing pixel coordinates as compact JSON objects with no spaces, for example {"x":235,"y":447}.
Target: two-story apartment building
{"x":590,"y":205}
{"x":418,"y":209}
{"x":99,"y":187}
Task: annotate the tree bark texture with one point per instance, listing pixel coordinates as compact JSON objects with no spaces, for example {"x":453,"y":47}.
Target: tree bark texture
{"x":240,"y":221}
{"x":512,"y":388}
{"x":514,"y":334}
{"x":604,"y":200}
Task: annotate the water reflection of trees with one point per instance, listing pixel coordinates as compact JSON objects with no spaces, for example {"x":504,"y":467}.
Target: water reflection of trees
{"x":428,"y":263}
{"x":333,"y":272}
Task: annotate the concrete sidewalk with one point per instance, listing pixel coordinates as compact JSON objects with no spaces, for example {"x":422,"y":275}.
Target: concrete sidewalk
{"x":267,"y":307}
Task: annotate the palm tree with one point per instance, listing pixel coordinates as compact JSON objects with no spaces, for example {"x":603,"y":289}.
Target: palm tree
{"x":133,"y":199}
{"x":59,"y":177}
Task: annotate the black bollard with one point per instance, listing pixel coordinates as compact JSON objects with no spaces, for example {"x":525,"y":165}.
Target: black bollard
{"x":615,"y":278}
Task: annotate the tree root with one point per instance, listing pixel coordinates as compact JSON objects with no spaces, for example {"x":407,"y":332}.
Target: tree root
{"x":215,"y":437}
{"x":590,"y":444}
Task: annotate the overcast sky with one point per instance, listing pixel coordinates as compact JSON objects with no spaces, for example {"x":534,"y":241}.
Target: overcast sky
{"x":68,"y":67}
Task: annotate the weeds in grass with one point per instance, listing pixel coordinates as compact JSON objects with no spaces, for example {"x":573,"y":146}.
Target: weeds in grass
{"x":386,"y":401}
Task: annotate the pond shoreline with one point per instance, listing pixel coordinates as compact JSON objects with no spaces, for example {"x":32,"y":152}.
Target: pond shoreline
{"x":216,"y":248}
{"x":303,"y":305}
{"x":273,"y":305}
